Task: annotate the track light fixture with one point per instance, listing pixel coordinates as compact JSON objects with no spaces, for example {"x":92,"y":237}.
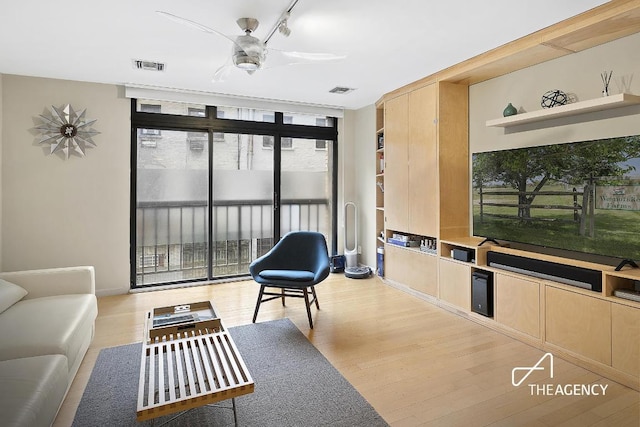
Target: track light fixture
{"x":283,"y":27}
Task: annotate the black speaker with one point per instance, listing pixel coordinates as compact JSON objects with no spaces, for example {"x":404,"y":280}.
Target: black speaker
{"x":564,"y":273}
{"x":462,"y":254}
{"x":482,"y":293}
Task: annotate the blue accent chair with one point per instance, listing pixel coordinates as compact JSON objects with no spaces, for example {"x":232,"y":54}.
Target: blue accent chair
{"x":297,"y":263}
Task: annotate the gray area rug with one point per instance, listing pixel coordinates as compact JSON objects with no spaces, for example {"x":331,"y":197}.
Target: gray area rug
{"x":294,"y":386}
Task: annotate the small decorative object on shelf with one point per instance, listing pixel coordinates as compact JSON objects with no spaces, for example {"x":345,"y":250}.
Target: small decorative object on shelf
{"x":429,"y":245}
{"x":380,"y":141}
{"x":553,"y":98}
{"x":509,"y":111}
{"x":606,"y":78}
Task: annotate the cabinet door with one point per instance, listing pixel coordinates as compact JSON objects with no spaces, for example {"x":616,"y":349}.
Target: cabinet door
{"x":518,"y":304}
{"x":453,"y":159}
{"x":396,"y":170}
{"x":455,"y":283}
{"x":423,"y":162}
{"x":417,"y":270}
{"x":579,"y":323}
{"x":625,"y":345}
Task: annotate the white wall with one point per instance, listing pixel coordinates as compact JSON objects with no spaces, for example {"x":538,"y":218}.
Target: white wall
{"x":364,"y":123}
{"x":58,"y":212}
{"x":357,"y":179}
{"x":1,"y":134}
{"x":577,"y":74}
{"x":346,"y":188}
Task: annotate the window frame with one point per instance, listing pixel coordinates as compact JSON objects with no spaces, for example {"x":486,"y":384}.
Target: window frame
{"x":213,"y":124}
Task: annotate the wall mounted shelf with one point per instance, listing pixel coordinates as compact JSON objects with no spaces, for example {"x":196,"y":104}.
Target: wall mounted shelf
{"x":598,"y":104}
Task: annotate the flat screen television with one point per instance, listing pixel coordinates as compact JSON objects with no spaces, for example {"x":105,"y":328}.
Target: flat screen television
{"x":579,"y":196}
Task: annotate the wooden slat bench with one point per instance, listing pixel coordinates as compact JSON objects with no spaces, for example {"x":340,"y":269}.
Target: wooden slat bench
{"x":182,"y":374}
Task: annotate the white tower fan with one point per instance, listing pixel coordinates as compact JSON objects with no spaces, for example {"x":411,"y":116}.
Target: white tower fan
{"x":352,"y":268}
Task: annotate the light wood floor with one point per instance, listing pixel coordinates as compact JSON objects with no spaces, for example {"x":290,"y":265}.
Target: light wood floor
{"x":417,"y":364}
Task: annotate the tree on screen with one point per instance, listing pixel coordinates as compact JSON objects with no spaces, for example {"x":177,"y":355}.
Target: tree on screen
{"x":573,"y":164}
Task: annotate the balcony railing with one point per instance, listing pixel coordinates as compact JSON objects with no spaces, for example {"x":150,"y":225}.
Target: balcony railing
{"x":172,"y":237}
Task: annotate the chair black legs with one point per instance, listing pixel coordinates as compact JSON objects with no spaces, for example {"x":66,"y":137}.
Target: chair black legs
{"x":306,"y":303}
{"x":264,"y":296}
{"x":315,"y":298}
{"x":255,"y":313}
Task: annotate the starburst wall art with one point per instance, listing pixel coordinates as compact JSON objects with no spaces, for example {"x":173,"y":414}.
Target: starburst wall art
{"x":67,"y":131}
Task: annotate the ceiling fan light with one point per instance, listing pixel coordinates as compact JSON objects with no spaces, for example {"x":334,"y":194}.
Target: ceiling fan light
{"x":245,"y":62}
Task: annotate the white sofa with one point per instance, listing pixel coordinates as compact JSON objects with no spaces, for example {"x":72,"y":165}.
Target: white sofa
{"x":47,"y":322}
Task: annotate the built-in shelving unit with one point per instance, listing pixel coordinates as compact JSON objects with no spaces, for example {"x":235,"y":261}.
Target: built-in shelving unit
{"x":577,"y":108}
{"x":380,"y":218}
{"x":594,"y":329}
{"x":549,"y":314}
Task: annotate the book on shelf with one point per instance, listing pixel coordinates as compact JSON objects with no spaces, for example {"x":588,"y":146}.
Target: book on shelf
{"x":398,"y":242}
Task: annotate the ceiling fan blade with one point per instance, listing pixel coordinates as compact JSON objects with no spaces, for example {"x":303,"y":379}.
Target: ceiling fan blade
{"x":222,"y":73}
{"x":195,"y":25}
{"x":313,"y":56}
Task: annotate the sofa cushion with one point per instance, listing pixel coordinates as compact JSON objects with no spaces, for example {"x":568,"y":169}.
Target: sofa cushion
{"x":48,"y":325}
{"x":10,"y":294}
{"x":32,"y":389}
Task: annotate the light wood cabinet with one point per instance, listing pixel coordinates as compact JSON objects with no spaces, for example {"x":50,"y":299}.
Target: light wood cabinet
{"x":411,"y":173}
{"x":409,"y":267}
{"x":625,"y":338}
{"x":453,"y":160}
{"x":579,"y":323}
{"x":423,"y":163}
{"x":396,"y":171}
{"x":455,"y":283}
{"x":596,"y":328}
{"x":518,"y":303}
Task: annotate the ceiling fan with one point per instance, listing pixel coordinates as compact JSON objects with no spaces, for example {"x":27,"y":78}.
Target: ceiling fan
{"x":250,"y":53}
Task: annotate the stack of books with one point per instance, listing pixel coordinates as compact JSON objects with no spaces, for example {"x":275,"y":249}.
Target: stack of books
{"x":403,"y":240}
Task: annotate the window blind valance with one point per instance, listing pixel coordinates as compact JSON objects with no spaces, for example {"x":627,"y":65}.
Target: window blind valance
{"x":207,"y":98}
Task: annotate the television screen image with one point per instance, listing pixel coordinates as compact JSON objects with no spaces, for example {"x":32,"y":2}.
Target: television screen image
{"x":578,"y":196}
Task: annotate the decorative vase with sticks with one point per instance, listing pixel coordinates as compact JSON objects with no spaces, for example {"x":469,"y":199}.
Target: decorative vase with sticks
{"x":606,"y":78}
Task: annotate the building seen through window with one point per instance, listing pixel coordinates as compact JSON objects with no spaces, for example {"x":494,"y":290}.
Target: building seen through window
{"x":206,"y":210}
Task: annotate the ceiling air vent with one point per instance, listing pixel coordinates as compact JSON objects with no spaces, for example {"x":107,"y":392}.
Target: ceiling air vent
{"x":140,"y":64}
{"x":341,"y":90}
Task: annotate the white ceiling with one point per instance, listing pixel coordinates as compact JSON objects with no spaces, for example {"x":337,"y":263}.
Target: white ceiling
{"x":388,"y":43}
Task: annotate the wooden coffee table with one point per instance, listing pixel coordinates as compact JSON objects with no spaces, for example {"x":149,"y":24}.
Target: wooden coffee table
{"x":198,"y":366}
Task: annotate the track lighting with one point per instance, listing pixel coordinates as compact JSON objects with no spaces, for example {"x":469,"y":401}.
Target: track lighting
{"x":283,"y":28}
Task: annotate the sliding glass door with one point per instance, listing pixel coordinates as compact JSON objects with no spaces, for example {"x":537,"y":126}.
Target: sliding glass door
{"x":242,"y":196}
{"x":306,"y":186}
{"x":172,"y":209}
{"x":214,"y":188}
